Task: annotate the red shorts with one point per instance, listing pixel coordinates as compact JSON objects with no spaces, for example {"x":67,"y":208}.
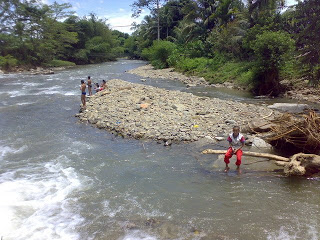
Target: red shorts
{"x":229,"y":154}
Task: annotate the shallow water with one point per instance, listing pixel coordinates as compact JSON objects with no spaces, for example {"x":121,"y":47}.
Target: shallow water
{"x":60,"y":179}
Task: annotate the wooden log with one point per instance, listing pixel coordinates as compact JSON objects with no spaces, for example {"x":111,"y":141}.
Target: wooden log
{"x":253,"y":154}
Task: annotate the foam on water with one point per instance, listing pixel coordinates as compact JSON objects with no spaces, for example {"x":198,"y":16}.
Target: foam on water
{"x":71,"y":93}
{"x":137,"y":235}
{"x":18,"y":93}
{"x":39,"y":206}
{"x":25,"y":103}
{"x":286,"y":233}
{"x":31,"y":84}
{"x":6,"y":150}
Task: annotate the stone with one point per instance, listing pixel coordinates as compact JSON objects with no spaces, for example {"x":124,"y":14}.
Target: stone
{"x":230,"y":122}
{"x":290,"y":107}
{"x":179,"y":107}
{"x":260,"y":143}
{"x":220,"y":138}
{"x":259,"y":125}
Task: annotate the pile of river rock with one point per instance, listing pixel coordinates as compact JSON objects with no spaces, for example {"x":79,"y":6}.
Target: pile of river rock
{"x":139,"y":111}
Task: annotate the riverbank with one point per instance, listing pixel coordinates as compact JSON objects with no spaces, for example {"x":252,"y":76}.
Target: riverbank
{"x":139,"y":111}
{"x":148,"y":71}
{"x":300,"y":92}
{"x":35,"y":70}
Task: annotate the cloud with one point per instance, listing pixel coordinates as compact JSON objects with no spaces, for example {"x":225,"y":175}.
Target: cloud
{"x":45,"y":2}
{"x":122,"y":21}
{"x":76,"y":6}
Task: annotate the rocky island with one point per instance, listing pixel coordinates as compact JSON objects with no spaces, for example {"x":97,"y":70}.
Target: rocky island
{"x":139,"y":111}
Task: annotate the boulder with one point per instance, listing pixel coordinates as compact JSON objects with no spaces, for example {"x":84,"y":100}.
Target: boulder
{"x":259,"y":125}
{"x":260,"y":143}
{"x":290,"y":107}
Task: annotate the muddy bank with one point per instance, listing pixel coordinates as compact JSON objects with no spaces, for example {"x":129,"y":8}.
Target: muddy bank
{"x":139,"y":111}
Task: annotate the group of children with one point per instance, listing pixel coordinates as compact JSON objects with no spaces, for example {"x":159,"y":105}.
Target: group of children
{"x":235,"y":139}
{"x":97,"y":88}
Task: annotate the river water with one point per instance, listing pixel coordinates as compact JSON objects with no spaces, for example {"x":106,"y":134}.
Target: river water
{"x":60,"y":179}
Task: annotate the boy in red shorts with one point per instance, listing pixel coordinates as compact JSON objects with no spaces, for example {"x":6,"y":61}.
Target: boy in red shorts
{"x":236,"y":142}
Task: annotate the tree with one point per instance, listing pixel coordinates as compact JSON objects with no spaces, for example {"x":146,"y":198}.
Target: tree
{"x":260,"y":9}
{"x":306,"y":24}
{"x":271,"y":49}
{"x":137,"y":5}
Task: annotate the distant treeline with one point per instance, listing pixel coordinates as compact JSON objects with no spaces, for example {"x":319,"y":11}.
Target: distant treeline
{"x":256,"y":43}
{"x":34,"y":34}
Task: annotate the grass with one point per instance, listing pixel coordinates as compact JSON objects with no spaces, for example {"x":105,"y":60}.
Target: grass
{"x":59,"y":63}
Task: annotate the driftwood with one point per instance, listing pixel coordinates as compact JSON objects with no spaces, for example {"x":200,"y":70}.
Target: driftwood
{"x":299,"y":131}
{"x":300,"y":164}
{"x":253,"y":154}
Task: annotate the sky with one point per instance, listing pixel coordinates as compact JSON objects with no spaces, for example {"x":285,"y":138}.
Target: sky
{"x":118,"y":12}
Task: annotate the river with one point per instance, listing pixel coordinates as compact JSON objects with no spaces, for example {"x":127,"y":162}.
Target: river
{"x":61,"y":179}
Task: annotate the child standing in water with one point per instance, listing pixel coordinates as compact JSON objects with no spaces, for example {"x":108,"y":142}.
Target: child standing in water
{"x":236,"y":142}
{"x":83,"y":93}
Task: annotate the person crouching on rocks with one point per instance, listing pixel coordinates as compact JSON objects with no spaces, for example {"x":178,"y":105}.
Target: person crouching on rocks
{"x":236,"y":142}
{"x":83,"y":93}
{"x":103,"y":85}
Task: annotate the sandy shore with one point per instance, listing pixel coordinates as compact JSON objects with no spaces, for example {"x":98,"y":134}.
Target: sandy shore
{"x":139,"y":111}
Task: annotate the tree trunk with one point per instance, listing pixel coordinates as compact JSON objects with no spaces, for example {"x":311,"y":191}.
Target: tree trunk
{"x":253,"y":154}
{"x":158,"y":16}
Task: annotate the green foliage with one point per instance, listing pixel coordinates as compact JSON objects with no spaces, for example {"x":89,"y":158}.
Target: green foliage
{"x":271,"y":50}
{"x":8,"y":62}
{"x":59,"y":63}
{"x":306,"y":26}
{"x":131,"y":48}
{"x":37,"y":35}
{"x":159,"y":53}
{"x":217,"y":69}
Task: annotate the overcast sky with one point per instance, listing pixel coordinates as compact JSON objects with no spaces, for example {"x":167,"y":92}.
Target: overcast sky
{"x":118,"y":12}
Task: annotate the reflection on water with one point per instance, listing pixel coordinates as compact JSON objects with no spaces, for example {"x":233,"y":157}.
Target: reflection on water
{"x":60,"y":179}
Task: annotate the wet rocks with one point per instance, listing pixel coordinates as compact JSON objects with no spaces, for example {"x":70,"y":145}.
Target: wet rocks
{"x":139,"y":111}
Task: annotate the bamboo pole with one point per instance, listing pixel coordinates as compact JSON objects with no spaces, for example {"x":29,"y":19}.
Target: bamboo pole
{"x":253,"y":154}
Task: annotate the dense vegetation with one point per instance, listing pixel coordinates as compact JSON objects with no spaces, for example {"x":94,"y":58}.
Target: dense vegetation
{"x":257,"y":43}
{"x":34,"y":34}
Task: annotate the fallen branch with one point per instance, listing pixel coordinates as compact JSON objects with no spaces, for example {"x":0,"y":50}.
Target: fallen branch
{"x":253,"y":154}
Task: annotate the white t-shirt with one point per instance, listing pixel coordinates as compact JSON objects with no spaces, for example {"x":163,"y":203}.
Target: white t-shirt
{"x":236,"y":141}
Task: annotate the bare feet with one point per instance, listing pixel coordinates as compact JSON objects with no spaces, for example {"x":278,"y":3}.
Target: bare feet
{"x":226,"y":169}
{"x":239,"y":170}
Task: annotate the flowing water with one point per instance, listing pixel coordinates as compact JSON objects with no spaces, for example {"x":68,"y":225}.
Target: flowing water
{"x":60,"y":179}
